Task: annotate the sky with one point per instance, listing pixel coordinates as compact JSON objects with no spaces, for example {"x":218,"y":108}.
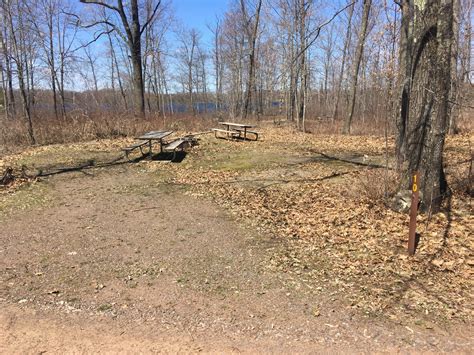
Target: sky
{"x":199,"y":13}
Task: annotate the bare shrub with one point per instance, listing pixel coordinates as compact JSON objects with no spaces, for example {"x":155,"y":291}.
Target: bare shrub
{"x":460,"y":179}
{"x":325,"y":125}
{"x":83,"y":126}
{"x":377,"y":185}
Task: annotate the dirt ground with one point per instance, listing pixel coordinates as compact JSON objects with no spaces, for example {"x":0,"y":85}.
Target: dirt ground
{"x":127,"y":259}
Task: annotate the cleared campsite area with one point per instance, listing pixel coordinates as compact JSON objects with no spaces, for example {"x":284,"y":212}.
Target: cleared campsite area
{"x":282,"y":243}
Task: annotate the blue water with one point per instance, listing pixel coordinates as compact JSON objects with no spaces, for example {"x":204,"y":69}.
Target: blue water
{"x":200,"y":107}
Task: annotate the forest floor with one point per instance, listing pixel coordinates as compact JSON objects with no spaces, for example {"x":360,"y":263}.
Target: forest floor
{"x":279,"y":245}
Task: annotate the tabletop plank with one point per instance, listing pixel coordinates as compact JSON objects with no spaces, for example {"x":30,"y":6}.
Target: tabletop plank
{"x":155,"y":135}
{"x":243,"y":125}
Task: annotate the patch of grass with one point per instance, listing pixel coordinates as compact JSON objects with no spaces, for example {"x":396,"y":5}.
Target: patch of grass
{"x":26,"y":197}
{"x":247,"y":160}
{"x":105,"y":307}
{"x":64,"y":156}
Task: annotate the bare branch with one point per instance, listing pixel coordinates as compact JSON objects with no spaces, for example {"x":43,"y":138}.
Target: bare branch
{"x":150,"y":19}
{"x":316,"y":32}
{"x":95,"y":39}
{"x":101,"y":4}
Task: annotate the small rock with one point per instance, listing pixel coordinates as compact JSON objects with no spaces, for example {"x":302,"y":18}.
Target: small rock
{"x":401,"y":202}
{"x":437,"y":262}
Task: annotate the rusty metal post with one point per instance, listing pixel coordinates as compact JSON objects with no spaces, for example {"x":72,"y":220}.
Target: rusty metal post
{"x":415,"y":195}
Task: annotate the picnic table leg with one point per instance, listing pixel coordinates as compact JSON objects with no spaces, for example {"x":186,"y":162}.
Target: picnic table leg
{"x":245,"y":133}
{"x":151,"y":150}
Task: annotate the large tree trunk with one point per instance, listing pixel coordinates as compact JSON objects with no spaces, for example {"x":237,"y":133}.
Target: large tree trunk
{"x":138,"y":86}
{"x":426,"y":101}
{"x":355,"y":72}
{"x":252,"y":38}
{"x":405,"y":59}
{"x":136,"y":54}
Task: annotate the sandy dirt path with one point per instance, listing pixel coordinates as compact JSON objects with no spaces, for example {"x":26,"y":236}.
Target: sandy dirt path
{"x":116,"y":262}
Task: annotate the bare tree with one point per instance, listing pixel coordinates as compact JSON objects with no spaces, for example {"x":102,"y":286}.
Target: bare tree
{"x":115,"y":69}
{"x":347,"y":43}
{"x":232,"y":59}
{"x":466,"y":52}
{"x":218,"y":62}
{"x":302,"y":17}
{"x":9,"y":95}
{"x":133,"y":33}
{"x":23,"y":54}
{"x":188,"y":58}
{"x":251,"y":25}
{"x":53,"y":22}
{"x":356,"y":65}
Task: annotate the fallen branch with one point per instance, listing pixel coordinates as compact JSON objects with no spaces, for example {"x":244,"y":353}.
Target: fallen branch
{"x":370,"y":165}
{"x":7,"y":177}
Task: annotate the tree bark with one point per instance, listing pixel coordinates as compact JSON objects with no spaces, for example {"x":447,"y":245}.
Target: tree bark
{"x":455,"y":80}
{"x":136,"y":54}
{"x":355,"y":75}
{"x":252,"y":39}
{"x":467,"y":53}
{"x":426,"y":100}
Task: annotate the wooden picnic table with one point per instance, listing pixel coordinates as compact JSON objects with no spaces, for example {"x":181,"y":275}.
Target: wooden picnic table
{"x":154,"y":136}
{"x":238,"y":127}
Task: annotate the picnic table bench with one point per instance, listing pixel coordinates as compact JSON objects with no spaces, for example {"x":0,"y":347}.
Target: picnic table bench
{"x":173,"y":146}
{"x":235,"y":130}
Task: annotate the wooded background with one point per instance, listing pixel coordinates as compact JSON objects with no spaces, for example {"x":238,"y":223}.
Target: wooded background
{"x":73,"y":70}
{"x":337,"y":62}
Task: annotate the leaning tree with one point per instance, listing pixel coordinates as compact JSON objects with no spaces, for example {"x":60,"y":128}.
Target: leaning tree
{"x":422,"y":122}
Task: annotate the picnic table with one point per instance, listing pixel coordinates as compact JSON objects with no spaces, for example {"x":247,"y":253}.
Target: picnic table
{"x":148,"y":139}
{"x":235,"y":130}
{"x":154,"y":136}
{"x":172,"y":145}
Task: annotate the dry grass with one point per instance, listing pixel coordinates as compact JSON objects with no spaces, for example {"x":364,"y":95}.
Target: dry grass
{"x":377,"y":185}
{"x":80,"y":127}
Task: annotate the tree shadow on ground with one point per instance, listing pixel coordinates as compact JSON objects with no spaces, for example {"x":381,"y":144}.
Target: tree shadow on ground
{"x":83,"y":166}
{"x":177,"y":157}
{"x":403,"y":284}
